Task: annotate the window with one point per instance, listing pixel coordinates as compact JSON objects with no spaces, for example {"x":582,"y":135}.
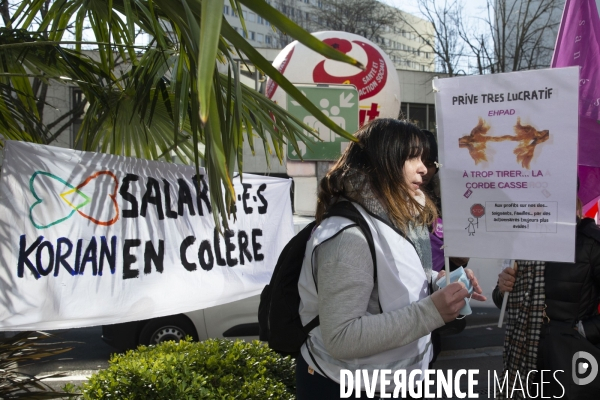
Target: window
{"x":431,"y":124}
{"x":403,"y":110}
{"x":226,"y":10}
{"x":252,"y":36}
{"x":260,"y":37}
{"x":422,"y":115}
{"x":251,"y":17}
{"x":268,"y":39}
{"x":77,"y":102}
{"x":260,"y":20}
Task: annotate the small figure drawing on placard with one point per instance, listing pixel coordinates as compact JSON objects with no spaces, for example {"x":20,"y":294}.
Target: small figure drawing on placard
{"x":477,"y":210}
{"x":471,"y":227}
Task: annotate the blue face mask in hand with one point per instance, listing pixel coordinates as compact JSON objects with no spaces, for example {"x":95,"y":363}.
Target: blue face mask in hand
{"x":459,"y":275}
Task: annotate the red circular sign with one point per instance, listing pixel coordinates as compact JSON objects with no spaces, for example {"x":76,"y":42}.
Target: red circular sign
{"x":477,"y":210}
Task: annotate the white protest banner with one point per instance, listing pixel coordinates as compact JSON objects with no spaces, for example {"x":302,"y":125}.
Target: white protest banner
{"x":509,"y":164}
{"x":90,"y":239}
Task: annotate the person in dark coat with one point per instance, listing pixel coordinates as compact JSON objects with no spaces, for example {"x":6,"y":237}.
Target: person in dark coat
{"x":541,"y":292}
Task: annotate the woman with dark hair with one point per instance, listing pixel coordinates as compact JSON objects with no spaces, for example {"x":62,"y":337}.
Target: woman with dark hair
{"x":366,"y":323}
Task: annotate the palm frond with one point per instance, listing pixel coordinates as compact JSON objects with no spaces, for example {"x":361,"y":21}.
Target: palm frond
{"x":19,"y":350}
{"x":170,"y":99}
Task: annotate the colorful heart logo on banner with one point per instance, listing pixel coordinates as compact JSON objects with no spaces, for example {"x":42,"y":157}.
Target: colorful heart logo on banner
{"x":94,"y":199}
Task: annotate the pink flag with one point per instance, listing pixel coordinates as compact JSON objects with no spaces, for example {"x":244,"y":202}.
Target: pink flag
{"x":578,"y":43}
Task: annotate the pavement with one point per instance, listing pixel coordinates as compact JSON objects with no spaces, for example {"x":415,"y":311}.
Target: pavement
{"x":478,"y":347}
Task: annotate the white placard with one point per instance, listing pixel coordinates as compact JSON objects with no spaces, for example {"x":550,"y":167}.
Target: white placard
{"x":508,"y":149}
{"x":90,"y":239}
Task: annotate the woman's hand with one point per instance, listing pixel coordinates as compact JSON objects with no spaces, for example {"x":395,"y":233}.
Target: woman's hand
{"x":477,"y":291}
{"x":440,"y":275}
{"x":450,"y":300}
{"x":506,"y":279}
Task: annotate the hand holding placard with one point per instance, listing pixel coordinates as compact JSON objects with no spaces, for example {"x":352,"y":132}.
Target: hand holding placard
{"x":506,"y":282}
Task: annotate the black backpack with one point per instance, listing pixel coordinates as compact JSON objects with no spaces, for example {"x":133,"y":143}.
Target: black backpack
{"x":278,"y":315}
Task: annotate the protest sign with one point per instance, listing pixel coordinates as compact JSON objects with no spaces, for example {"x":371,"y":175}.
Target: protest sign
{"x":509,"y":163}
{"x":90,"y":239}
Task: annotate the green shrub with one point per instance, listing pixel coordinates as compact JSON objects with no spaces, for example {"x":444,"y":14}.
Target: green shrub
{"x":213,"y":369}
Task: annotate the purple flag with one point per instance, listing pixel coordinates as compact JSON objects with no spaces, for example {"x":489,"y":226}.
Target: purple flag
{"x":578,"y":43}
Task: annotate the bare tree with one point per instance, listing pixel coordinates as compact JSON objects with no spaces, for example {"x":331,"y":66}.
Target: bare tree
{"x":446,"y":41}
{"x":523,"y":33}
{"x":368,"y":18}
{"x":518,"y":34}
{"x":478,"y":43}
{"x":372,"y":19}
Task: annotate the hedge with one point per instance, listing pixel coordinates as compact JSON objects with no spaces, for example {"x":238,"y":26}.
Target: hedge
{"x":213,"y":369}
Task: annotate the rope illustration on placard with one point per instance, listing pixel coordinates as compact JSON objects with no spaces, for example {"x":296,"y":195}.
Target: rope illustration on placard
{"x":527,"y":136}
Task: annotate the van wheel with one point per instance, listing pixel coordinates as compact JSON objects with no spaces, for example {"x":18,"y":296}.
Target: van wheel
{"x":159,"y":330}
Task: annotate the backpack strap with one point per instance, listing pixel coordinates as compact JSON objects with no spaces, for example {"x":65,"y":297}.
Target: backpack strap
{"x":347,"y":210}
{"x":311,"y":325}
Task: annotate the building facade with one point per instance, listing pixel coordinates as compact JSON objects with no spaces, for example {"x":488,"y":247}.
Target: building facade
{"x":406,"y":38}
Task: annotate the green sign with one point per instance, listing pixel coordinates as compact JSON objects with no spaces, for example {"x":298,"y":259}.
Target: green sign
{"x":340,"y":104}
